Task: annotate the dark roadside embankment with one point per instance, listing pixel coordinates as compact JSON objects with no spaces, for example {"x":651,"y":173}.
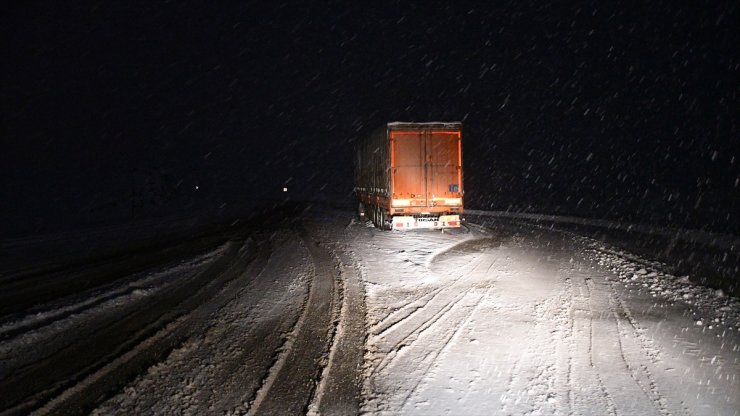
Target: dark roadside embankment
{"x":46,"y":267}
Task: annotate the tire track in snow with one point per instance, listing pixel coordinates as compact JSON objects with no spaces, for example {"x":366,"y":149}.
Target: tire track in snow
{"x":637,"y":352}
{"x":307,"y":347}
{"x":408,"y":310}
{"x":634,"y":350}
{"x":533,"y":376}
{"x":415,"y":257}
{"x":146,"y":281}
{"x":629,"y":345}
{"x":453,"y":307}
{"x":419,"y":328}
{"x":341,"y":382}
{"x":405,"y":332}
{"x":587,"y":390}
{"x":481,"y":300}
{"x":432,"y":357}
{"x":241,"y":344}
{"x":486,"y":302}
{"x":132,"y":357}
{"x":609,"y":357}
{"x":222,"y":372}
{"x":563,"y":337}
{"x":541,"y":376}
{"x":583,"y":403}
{"x":423,"y":295}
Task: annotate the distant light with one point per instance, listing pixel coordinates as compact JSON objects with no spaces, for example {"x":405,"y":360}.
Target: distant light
{"x":285,"y":189}
{"x":196,"y":187}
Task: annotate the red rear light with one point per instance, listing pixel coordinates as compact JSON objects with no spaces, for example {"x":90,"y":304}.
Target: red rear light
{"x":399,"y":224}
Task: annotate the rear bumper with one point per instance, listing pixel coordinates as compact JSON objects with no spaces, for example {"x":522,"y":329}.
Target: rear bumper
{"x":431,"y":222}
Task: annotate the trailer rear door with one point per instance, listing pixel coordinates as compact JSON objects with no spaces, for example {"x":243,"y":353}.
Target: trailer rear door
{"x":444,"y":173}
{"x":408,"y":166}
{"x":426,"y":166}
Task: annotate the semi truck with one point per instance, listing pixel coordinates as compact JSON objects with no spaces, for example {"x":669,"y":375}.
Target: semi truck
{"x":409,"y":175}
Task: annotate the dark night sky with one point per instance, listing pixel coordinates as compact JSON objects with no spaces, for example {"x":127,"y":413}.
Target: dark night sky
{"x":625,"y":110}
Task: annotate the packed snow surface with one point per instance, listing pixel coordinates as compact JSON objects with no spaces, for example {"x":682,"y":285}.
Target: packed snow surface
{"x":510,"y":322}
{"x":328,"y":315}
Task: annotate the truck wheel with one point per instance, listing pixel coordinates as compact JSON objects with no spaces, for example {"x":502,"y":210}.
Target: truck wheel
{"x":383,"y":224}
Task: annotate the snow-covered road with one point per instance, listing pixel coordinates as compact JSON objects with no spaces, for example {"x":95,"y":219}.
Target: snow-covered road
{"x":524,"y":321}
{"x":329,"y":316}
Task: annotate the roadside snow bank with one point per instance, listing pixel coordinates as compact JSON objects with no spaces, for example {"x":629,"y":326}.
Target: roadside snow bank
{"x":710,"y":307}
{"x":709,"y":259}
{"x":725,"y":241}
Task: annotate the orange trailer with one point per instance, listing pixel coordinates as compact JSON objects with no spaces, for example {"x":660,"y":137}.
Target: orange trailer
{"x":409,"y":175}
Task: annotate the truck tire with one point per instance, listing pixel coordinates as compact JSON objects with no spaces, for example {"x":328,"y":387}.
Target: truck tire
{"x":383,"y":223}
